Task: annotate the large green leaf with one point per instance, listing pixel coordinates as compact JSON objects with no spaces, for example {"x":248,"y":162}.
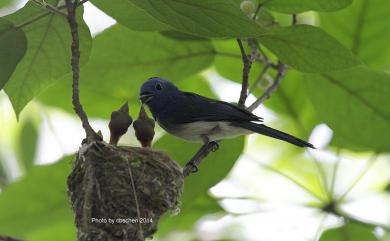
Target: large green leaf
{"x":350,"y":232}
{"x":212,"y":170}
{"x":48,"y":52}
{"x":27,"y":145}
{"x":5,"y":3}
{"x":355,"y":104}
{"x":297,"y":6}
{"x":37,"y":203}
{"x":129,"y":15}
{"x":228,"y":61}
{"x":361,"y":28}
{"x":292,"y":102}
{"x":308,"y":49}
{"x":13,"y":45}
{"x":215,"y":18}
{"x":121,"y":60}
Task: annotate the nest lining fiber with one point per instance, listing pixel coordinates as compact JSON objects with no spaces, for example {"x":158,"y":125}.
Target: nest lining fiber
{"x":120,"y":193}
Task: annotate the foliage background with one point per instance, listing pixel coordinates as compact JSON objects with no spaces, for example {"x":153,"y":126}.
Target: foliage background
{"x":336,"y":93}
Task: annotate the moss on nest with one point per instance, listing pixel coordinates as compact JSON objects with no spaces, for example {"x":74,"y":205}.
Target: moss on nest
{"x":108,"y":183}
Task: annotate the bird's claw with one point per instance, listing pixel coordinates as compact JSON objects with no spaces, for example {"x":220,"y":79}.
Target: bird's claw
{"x":214,"y":146}
{"x":193,"y":167}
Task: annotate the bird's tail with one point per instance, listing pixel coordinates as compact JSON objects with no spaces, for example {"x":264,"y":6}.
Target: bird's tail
{"x":268,"y":131}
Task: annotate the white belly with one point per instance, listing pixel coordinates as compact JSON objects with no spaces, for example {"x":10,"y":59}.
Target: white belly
{"x":212,"y":129}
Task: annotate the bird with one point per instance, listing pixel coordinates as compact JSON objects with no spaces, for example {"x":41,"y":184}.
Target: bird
{"x":144,"y":128}
{"x":119,"y":123}
{"x":197,"y":118}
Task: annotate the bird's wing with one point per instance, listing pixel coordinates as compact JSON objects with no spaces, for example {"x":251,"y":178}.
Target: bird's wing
{"x":193,"y":107}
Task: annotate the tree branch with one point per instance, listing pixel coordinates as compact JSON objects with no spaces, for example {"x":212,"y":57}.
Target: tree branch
{"x":279,"y":77}
{"x":78,"y":108}
{"x":245,"y":74}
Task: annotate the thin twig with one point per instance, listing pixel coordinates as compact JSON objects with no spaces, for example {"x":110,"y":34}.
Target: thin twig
{"x":262,"y":74}
{"x":294,"y":19}
{"x":135,"y":199}
{"x":49,"y":7}
{"x":279,"y":77}
{"x":247,"y":63}
{"x":78,"y":108}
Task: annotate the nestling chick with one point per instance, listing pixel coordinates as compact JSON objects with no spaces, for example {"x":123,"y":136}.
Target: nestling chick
{"x":144,"y":128}
{"x":119,"y":123}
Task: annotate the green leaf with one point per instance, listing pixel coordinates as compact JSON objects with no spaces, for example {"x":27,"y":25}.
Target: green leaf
{"x":216,"y":18}
{"x":189,"y":213}
{"x":36,"y":203}
{"x":297,"y":6}
{"x":28,"y":144}
{"x":6,"y":3}
{"x":292,"y":102}
{"x":129,"y":15}
{"x":355,"y":104}
{"x":121,"y":60}
{"x":228,"y":61}
{"x":359,"y":28}
{"x":48,"y":54}
{"x":13,"y":46}
{"x":213,"y":168}
{"x":308,"y":49}
{"x":350,"y":232}
{"x":181,"y":36}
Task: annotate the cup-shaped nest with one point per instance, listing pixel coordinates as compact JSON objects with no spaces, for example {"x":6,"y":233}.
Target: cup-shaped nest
{"x":120,"y":193}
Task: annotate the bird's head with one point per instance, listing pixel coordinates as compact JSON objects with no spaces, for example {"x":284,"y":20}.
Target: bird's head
{"x":157,"y":92}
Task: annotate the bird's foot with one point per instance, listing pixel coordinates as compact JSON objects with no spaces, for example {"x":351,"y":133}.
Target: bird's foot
{"x":214,"y":146}
{"x":193,"y":167}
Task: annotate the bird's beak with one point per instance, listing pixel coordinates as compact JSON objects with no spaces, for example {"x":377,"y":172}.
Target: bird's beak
{"x":145,"y":97}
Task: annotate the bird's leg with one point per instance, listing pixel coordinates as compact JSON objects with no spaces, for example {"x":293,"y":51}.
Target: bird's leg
{"x":214,"y":146}
{"x":194,"y":162}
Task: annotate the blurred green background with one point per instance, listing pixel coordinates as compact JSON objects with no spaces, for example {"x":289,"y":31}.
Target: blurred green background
{"x":252,"y":188}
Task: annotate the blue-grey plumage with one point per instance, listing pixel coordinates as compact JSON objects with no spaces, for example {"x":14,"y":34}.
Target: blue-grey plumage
{"x":197,"y":118}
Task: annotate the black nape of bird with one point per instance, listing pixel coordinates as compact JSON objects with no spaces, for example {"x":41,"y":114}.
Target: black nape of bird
{"x":119,"y":123}
{"x":144,"y":128}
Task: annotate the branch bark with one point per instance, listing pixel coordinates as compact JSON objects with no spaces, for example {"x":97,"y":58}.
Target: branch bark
{"x":245,"y":74}
{"x":75,"y":61}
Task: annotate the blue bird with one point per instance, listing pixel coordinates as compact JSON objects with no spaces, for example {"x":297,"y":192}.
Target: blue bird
{"x":200,"y":119}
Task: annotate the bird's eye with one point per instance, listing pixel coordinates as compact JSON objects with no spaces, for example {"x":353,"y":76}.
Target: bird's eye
{"x":159,"y":86}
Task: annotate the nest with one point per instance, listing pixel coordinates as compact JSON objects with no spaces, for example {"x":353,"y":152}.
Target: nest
{"x":120,"y":193}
